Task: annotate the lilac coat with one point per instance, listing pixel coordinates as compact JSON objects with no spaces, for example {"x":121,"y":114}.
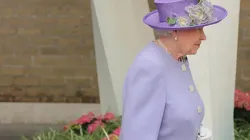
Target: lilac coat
{"x":160,"y":100}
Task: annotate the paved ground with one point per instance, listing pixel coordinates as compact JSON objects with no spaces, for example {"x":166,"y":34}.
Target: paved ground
{"x":15,"y":131}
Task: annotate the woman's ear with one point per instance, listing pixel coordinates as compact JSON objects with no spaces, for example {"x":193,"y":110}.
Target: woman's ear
{"x":174,"y":34}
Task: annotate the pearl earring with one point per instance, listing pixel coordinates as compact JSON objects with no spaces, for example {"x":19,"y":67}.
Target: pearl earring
{"x":175,"y":38}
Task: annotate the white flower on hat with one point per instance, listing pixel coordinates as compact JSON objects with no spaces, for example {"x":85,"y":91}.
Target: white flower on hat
{"x":200,"y":13}
{"x":183,"y":21}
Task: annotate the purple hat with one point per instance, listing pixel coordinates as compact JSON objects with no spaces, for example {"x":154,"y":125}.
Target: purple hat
{"x":184,"y":14}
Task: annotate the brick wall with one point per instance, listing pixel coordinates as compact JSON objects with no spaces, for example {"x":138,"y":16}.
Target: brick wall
{"x":243,"y":63}
{"x":47,"y":51}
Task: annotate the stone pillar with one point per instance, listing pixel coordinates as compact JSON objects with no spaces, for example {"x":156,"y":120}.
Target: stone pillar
{"x":214,"y":69}
{"x":119,"y":35}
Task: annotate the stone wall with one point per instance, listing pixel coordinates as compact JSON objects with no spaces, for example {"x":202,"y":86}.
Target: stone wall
{"x":47,"y":51}
{"x":243,"y":63}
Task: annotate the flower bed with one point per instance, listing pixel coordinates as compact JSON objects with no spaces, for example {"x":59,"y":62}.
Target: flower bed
{"x":87,"y":127}
{"x":107,"y":126}
{"x":100,"y":127}
{"x":242,"y":115}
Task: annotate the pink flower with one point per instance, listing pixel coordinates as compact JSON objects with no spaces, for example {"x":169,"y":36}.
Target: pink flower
{"x":100,"y":117}
{"x":239,"y":99}
{"x":65,"y":127}
{"x":236,"y":91}
{"x":84,"y":119}
{"x":92,"y":127}
{"x":240,"y":104}
{"x":98,"y":122}
{"x":91,"y":114}
{"x":117,"y":131}
{"x":109,"y":116}
{"x":247,"y":106}
{"x":111,"y":137}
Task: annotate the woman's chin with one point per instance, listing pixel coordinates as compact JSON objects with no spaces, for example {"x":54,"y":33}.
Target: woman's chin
{"x":192,"y":53}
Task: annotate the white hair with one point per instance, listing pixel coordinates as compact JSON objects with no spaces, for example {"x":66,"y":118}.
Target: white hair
{"x":163,"y":33}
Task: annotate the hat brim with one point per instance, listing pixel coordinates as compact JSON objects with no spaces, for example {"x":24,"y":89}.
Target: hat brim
{"x":152,"y":20}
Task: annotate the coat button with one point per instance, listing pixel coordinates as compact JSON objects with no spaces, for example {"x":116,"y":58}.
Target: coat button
{"x":191,"y":88}
{"x":199,"y":110}
{"x":183,"y":67}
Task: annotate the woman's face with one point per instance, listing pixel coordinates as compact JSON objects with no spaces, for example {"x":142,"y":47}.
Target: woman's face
{"x":189,"y":41}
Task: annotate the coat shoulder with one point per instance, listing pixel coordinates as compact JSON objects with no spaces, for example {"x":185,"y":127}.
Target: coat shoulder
{"x":151,"y":56}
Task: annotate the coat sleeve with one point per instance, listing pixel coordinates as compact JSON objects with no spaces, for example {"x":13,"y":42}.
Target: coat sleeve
{"x":143,"y":102}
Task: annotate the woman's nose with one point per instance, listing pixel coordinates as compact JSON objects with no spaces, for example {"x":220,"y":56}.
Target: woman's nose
{"x":203,"y":35}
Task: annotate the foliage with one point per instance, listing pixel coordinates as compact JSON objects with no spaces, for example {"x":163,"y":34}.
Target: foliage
{"x":242,"y":109}
{"x":242,"y":129}
{"x":241,"y":115}
{"x":87,"y":127}
{"x":107,"y":127}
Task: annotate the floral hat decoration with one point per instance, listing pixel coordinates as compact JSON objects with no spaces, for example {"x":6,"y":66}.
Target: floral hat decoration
{"x":184,"y":14}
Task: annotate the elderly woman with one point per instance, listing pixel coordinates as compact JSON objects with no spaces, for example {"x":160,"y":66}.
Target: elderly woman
{"x":160,"y":99}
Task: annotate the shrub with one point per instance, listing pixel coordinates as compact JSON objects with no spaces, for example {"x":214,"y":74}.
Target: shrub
{"x":107,"y":127}
{"x":87,"y":127}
